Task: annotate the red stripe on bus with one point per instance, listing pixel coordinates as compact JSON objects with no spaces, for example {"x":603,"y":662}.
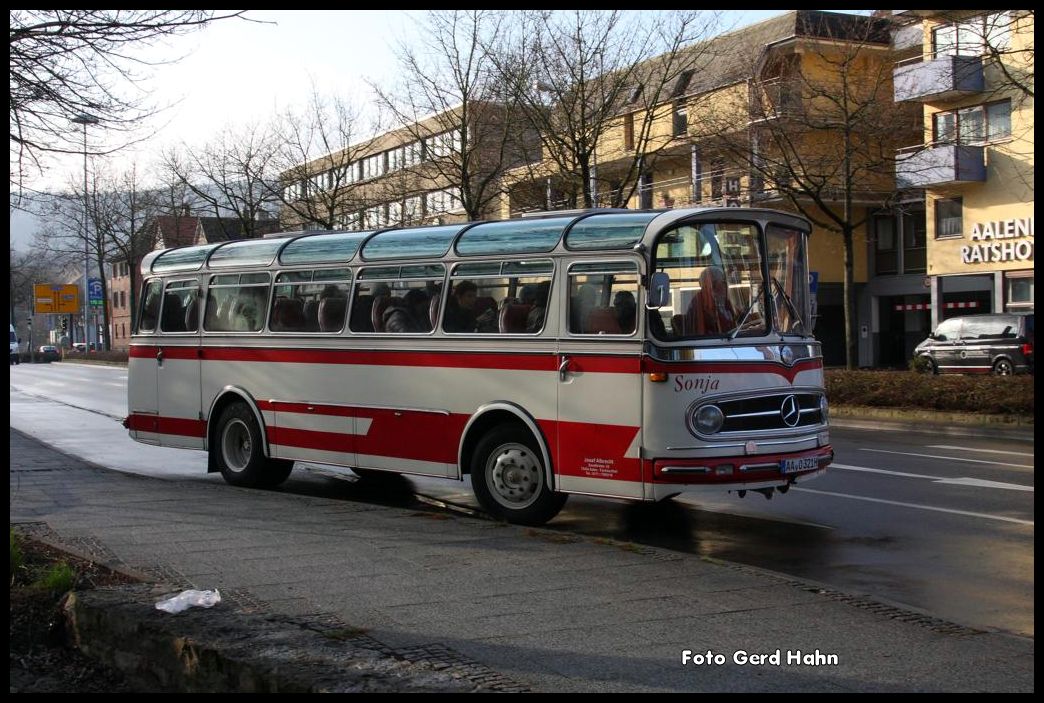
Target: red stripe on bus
{"x":545,"y":361}
{"x":788,"y":372}
{"x":167,"y":425}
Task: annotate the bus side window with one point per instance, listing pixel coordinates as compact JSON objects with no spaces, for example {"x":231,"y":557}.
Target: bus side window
{"x":150,"y":307}
{"x":602,"y":298}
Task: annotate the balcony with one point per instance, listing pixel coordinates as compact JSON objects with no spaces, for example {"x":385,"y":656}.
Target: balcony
{"x":942,"y":164}
{"x":942,"y":78}
{"x":907,"y":37}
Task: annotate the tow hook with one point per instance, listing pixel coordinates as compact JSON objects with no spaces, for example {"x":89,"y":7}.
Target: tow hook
{"x":126,"y":423}
{"x":767,"y":492}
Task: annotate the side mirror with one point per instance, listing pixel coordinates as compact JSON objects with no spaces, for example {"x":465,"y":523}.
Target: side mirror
{"x":659,"y":291}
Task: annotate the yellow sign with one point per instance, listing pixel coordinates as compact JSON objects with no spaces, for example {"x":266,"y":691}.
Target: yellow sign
{"x":56,"y":299}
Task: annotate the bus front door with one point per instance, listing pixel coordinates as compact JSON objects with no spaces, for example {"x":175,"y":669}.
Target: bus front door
{"x":599,"y":421}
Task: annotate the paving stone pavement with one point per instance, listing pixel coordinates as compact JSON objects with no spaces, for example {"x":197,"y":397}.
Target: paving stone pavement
{"x":516,"y":608}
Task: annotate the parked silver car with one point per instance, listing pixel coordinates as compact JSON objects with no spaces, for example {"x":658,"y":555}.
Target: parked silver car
{"x":999,"y":343}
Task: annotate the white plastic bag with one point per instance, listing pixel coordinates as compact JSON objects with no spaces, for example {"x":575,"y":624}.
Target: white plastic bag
{"x":187,"y":599}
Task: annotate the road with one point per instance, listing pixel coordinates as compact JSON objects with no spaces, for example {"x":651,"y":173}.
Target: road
{"x":940,"y":524}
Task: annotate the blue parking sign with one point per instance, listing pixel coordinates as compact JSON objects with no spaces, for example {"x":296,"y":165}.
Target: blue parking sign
{"x":94,"y":292}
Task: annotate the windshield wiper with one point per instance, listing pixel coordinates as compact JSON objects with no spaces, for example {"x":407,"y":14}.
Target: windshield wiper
{"x":746,"y":314}
{"x":798,"y":322}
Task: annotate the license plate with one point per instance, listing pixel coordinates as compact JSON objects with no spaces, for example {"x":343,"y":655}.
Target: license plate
{"x":790,"y":466}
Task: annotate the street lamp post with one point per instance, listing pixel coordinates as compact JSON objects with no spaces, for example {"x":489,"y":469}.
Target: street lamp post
{"x":85,"y":119}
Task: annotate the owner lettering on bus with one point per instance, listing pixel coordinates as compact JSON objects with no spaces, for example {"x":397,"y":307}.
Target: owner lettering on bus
{"x":718,"y":315}
{"x":460,"y":309}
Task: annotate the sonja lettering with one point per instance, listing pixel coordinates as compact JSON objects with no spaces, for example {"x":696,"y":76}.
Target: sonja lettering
{"x":701,"y":384}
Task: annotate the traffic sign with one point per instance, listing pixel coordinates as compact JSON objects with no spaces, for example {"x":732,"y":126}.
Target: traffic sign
{"x":49,"y":298}
{"x":94,"y":293}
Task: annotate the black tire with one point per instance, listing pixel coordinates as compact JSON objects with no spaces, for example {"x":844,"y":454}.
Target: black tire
{"x":509,"y":478}
{"x":927,"y":365}
{"x":1003,"y":367}
{"x":239,"y":451}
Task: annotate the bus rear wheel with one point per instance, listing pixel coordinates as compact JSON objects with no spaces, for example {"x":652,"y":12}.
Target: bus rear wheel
{"x":509,"y":478}
{"x":239,"y":451}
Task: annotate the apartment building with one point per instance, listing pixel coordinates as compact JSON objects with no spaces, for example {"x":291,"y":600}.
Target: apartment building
{"x":971,"y":72}
{"x":410,"y":175}
{"x":745,"y":122}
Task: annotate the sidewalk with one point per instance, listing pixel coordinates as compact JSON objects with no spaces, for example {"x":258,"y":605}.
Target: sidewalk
{"x":498,"y":606}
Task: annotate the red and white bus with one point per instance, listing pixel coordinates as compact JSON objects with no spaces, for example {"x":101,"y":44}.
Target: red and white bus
{"x":627,"y":354}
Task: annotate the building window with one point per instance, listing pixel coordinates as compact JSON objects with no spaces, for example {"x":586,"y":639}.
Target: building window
{"x":979,"y":124}
{"x":681,"y":119}
{"x":629,"y":131}
{"x":975,"y":37}
{"x":915,"y":235}
{"x":886,"y":250}
{"x":949,"y":217}
{"x":1020,"y":291}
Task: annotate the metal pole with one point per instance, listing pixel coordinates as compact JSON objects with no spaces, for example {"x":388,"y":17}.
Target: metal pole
{"x":85,"y":120}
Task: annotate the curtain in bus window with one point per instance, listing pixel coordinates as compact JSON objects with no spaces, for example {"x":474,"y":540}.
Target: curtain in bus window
{"x":788,"y":280}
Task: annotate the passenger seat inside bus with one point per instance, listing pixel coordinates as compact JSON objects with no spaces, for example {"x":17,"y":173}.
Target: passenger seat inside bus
{"x":311,"y":315}
{"x":433,"y":308}
{"x":331,"y":313}
{"x":361,"y":310}
{"x":173,"y":314}
{"x":380,"y":304}
{"x":192,"y":314}
{"x":287,"y":315}
{"x":602,"y":321}
{"x":513,"y":317}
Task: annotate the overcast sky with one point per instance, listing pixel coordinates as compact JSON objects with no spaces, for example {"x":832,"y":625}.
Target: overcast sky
{"x":235,"y":72}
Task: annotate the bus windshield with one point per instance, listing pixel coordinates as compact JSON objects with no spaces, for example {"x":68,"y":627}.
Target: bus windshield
{"x":717,"y":287}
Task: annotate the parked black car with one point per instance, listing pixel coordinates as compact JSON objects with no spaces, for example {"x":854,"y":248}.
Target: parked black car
{"x":1001,"y":343}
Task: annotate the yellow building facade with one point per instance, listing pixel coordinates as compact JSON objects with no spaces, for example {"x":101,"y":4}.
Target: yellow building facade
{"x":972,"y":71}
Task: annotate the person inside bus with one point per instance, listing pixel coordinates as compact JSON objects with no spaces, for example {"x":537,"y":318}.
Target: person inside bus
{"x":535,"y":319}
{"x":717,"y":315}
{"x":407,"y":314}
{"x":626,"y":310}
{"x":581,"y":305}
{"x":460,"y":310}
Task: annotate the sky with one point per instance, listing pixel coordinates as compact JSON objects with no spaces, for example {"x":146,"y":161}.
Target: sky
{"x":234,"y":72}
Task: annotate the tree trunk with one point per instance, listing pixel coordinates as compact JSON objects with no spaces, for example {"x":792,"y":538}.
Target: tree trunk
{"x":851,"y":351}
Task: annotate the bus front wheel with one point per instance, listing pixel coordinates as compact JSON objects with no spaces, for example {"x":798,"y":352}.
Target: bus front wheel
{"x":509,"y":478}
{"x":240,"y":451}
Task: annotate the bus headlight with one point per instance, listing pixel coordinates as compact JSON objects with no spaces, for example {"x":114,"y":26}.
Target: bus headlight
{"x":708,"y":419}
{"x":823,"y":413}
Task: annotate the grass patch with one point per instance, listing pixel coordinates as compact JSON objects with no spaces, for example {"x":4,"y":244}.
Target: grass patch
{"x":58,"y":578}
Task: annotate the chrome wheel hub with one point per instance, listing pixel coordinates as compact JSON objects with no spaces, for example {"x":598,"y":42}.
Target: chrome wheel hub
{"x":515,"y":476}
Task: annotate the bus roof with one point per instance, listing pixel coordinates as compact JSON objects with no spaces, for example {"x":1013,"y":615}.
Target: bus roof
{"x":583,"y":230}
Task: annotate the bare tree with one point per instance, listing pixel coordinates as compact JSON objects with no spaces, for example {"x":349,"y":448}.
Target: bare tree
{"x":819,"y":130}
{"x":124,"y":212}
{"x":450,"y":101}
{"x":232,"y":176}
{"x":315,"y":162}
{"x":580,"y":75}
{"x":67,"y":62}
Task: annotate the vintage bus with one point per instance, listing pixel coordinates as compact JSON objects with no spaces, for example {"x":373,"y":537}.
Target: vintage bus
{"x":617,"y":353}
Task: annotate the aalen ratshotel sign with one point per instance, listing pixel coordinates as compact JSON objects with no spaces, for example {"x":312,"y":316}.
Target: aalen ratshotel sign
{"x":1004,"y":240}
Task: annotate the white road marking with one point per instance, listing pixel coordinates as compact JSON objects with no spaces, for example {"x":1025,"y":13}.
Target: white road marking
{"x":973,"y":449}
{"x":1002,"y":518}
{"x":949,"y":458}
{"x":981,"y":483}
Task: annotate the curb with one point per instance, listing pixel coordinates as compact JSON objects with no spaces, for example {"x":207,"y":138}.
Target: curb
{"x":219,"y":650}
{"x":1018,"y":427}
